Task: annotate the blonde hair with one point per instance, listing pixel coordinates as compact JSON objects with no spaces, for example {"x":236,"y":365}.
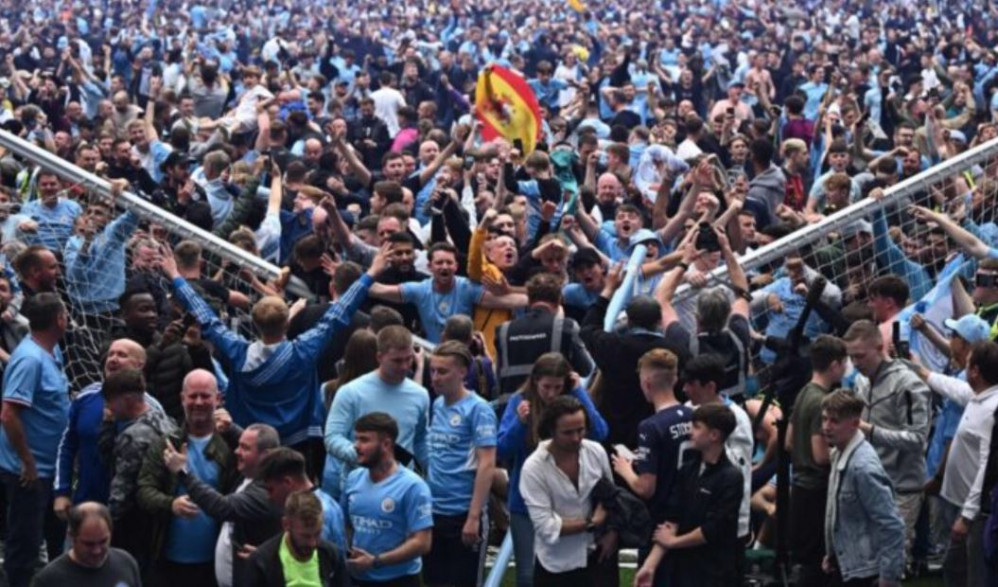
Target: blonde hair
{"x":270,"y":315}
{"x":660,"y":359}
{"x":793,"y":146}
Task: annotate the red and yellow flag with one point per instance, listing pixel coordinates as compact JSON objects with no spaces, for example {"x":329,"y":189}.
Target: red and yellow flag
{"x":507,"y":107}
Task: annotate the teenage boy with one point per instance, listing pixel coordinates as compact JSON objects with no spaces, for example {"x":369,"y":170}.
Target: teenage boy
{"x":699,"y":540}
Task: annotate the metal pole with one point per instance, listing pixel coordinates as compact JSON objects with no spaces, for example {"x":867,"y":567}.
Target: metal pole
{"x":626,"y":289}
{"x":501,"y":562}
{"x":148,"y":210}
{"x":811,"y":233}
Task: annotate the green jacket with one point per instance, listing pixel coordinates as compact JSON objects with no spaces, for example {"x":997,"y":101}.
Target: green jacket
{"x":158,"y":486}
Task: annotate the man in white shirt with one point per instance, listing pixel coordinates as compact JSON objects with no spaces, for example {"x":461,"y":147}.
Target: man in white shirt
{"x":688,"y":149}
{"x":387,"y":101}
{"x":557,"y":484}
{"x":968,"y":456}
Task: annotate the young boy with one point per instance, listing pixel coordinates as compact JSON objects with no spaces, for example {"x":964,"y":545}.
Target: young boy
{"x":864,"y":534}
{"x":700,"y":535}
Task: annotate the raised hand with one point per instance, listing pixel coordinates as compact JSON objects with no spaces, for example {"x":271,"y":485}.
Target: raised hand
{"x":174,"y":460}
{"x":614,"y":277}
{"x":381,"y":260}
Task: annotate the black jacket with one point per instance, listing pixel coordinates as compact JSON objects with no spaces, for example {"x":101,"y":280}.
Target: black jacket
{"x":254,"y":517}
{"x":309,"y":317}
{"x":620,"y":399}
{"x":625,"y":513}
{"x":266,"y":570}
{"x":520,"y":341}
{"x":709,"y":501}
{"x":372,"y":128}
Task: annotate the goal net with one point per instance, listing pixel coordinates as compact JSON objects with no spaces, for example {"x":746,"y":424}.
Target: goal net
{"x":867,"y":240}
{"x":91,"y":275}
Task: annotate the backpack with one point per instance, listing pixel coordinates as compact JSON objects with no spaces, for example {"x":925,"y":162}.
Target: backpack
{"x":727,"y":345}
{"x":485,"y":391}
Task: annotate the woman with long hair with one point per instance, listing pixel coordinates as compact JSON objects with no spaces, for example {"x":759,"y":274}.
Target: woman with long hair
{"x":550,"y":377}
{"x":360,"y":357}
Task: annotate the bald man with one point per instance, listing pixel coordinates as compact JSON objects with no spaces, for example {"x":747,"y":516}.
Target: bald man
{"x":312,"y":152}
{"x":79,"y":457}
{"x":124,"y":112}
{"x":182,"y":536}
{"x":90,"y":561}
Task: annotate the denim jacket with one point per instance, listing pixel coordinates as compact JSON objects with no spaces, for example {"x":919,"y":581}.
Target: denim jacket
{"x":864,"y":534}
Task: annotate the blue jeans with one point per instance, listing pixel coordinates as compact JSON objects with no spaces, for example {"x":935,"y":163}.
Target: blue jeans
{"x":523,"y":548}
{"x":29,"y":519}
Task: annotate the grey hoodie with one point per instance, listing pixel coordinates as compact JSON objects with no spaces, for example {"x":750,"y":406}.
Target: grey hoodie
{"x":770,"y":187}
{"x":897,"y":406}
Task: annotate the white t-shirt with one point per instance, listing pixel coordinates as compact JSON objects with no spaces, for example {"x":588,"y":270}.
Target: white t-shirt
{"x":223,"y":548}
{"x":387,"y":102}
{"x":688,"y":150}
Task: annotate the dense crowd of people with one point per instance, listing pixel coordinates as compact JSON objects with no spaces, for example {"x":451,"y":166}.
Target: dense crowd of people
{"x":171,"y":417}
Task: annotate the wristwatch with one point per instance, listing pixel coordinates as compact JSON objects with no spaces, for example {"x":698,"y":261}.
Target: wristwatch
{"x":377,"y":562}
{"x":590,"y":525}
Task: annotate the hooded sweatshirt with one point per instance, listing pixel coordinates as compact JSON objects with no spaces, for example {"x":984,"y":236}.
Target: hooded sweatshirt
{"x":897,"y":406}
{"x":769,"y":187}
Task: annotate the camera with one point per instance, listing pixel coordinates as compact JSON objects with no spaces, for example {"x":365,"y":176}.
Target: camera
{"x":707,"y":239}
{"x":986,"y":279}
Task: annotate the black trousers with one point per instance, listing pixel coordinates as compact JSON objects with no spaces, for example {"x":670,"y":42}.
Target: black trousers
{"x":30,"y":520}
{"x":807,"y":539}
{"x":584,"y":577}
{"x":169,"y":574}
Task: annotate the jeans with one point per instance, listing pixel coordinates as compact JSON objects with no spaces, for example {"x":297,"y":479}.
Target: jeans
{"x":523,"y":548}
{"x":909,"y":506}
{"x":29,"y":519}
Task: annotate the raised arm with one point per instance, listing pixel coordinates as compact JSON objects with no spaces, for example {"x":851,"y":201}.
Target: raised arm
{"x":670,"y":281}
{"x":364,"y":175}
{"x":967,"y":241}
{"x":341,"y":232}
{"x":150,"y":127}
{"x":340,"y":314}
{"x":736,"y":274}
{"x":460,"y":135}
{"x":263,"y":128}
{"x":227,"y":342}
{"x":586,"y":223}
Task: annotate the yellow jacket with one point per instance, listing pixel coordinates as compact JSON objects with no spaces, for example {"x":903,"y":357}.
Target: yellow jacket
{"x":486,"y":320}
